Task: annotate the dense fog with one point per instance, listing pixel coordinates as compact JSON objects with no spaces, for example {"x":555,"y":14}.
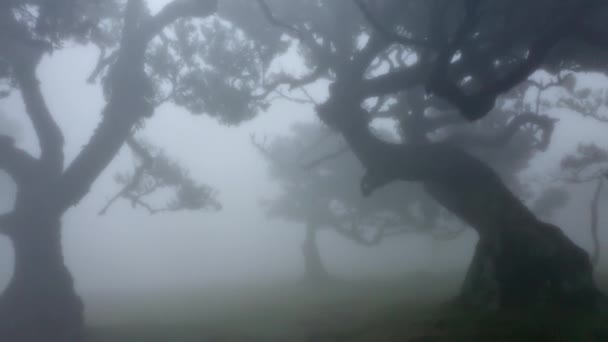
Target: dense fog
{"x":124,"y":258}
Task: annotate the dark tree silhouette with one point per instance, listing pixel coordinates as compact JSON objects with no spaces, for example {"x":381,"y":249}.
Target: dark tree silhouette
{"x":183,"y":54}
{"x":465,"y":55}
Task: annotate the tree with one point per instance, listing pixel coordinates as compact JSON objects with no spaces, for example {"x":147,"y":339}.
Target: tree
{"x":466,"y":55}
{"x":318,"y":186}
{"x":184,"y":54}
{"x":317,"y":191}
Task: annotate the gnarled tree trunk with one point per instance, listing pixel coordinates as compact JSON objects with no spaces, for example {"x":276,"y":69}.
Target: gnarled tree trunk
{"x":519,"y":261}
{"x":40,"y":303}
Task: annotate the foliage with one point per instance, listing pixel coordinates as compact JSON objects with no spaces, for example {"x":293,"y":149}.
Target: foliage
{"x":154,"y":172}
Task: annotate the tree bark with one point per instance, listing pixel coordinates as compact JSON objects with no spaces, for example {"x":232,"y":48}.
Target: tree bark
{"x":40,"y":303}
{"x":314,"y":270}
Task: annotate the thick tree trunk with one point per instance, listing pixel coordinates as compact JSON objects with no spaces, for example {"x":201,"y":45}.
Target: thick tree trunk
{"x":519,"y":260}
{"x":314,"y":270}
{"x":520,"y":269}
{"x":40,"y":303}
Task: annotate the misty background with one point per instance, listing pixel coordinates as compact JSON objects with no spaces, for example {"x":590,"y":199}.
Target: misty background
{"x":127,"y":251}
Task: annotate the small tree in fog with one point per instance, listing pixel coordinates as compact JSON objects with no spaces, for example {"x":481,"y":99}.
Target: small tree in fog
{"x":317,"y":176}
{"x":589,"y":163}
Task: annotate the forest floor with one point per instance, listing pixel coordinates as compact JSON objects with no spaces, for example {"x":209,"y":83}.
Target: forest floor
{"x":378,"y":310}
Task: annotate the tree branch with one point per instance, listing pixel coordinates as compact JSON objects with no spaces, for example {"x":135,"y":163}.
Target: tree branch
{"x":49,"y":134}
{"x":131,"y":95}
{"x":356,"y":233}
{"x":475,"y":106}
{"x":333,"y":155}
{"x":396,"y":81}
{"x":147,"y":161}
{"x":23,"y":53}
{"x":17,"y":163}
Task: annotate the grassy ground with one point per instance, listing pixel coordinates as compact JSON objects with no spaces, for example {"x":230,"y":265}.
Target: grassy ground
{"x":363,"y":310}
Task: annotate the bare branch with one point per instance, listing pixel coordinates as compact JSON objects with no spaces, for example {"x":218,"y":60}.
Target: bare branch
{"x":294,"y":99}
{"x":103,"y":62}
{"x":292,"y":83}
{"x":147,"y":161}
{"x":330,"y":156}
{"x":24,"y":54}
{"x":356,"y":233}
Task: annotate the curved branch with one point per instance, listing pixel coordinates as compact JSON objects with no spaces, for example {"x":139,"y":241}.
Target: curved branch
{"x":147,"y":161}
{"x":333,"y":155}
{"x":103,"y":62}
{"x":24,"y":53}
{"x":49,"y":134}
{"x":293,"y":82}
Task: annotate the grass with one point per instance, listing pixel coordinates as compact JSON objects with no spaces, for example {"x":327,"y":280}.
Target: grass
{"x":358,"y":310}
